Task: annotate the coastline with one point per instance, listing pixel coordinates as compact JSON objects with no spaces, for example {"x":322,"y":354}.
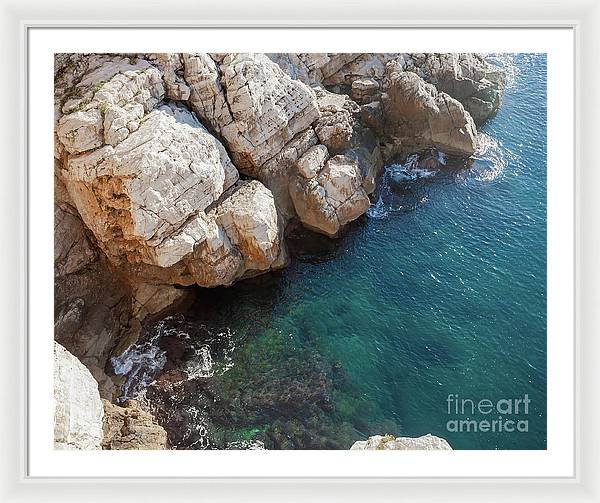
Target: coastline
{"x":342,"y":156}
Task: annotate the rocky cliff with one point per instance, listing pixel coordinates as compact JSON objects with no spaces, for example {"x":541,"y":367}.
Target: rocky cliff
{"x":174,"y":170}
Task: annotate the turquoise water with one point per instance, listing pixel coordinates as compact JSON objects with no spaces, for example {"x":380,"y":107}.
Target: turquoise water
{"x":439,"y":290}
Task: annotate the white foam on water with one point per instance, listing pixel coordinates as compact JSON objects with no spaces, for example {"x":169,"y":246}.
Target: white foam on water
{"x":202,"y":365}
{"x":493,"y":157}
{"x":409,"y":171}
{"x":196,"y":427}
{"x":141,"y":363}
{"x":506,"y":62}
{"x":378,"y":210}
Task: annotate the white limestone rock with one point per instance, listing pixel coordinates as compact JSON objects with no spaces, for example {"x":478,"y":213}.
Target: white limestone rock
{"x":427,"y":442}
{"x":243,"y":237}
{"x":106,"y":112}
{"x":333,"y":198}
{"x":78,"y":409}
{"x":249,"y":218}
{"x":334,"y":69}
{"x":141,"y":198}
{"x":250,"y":102}
{"x":277,"y":128}
{"x":171,"y":66}
{"x":312,"y":161}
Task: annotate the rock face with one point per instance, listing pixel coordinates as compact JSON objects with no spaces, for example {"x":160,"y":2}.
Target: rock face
{"x":92,"y":305}
{"x":425,"y":443}
{"x":77,"y":405}
{"x":131,"y":427}
{"x":333,"y":69}
{"x":467,"y":77}
{"x":243,"y":237}
{"x":250,"y":102}
{"x":144,"y":196}
{"x":269,"y":122}
{"x":141,"y":199}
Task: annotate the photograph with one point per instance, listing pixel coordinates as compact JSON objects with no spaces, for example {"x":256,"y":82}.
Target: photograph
{"x":300,"y":251}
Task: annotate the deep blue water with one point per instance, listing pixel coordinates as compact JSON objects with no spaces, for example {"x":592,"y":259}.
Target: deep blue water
{"x":439,"y":290}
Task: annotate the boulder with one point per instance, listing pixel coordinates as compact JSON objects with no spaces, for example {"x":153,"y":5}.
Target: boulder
{"x":131,"y":427}
{"x":416,"y":116}
{"x":143,"y":173}
{"x":312,"y":161}
{"x":77,"y":406}
{"x":106,"y":111}
{"x":427,"y":442}
{"x":365,"y":90}
{"x":243,"y":237}
{"x":340,"y":129}
{"x":141,"y":198}
{"x":331,"y":199}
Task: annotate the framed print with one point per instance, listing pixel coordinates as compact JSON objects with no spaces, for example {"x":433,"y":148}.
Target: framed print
{"x":313,"y":257}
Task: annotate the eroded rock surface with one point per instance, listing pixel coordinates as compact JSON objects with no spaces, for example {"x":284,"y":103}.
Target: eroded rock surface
{"x":131,"y":427}
{"x":143,"y":174}
{"x":331,"y":199}
{"x":333,"y":69}
{"x":141,"y":199}
{"x":250,"y":102}
{"x":427,"y":442}
{"x":77,"y":406}
{"x":92,"y":304}
{"x":467,"y":77}
{"x":243,"y":237}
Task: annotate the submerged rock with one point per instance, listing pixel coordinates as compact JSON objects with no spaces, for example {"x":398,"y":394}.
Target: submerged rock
{"x":427,"y":442}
